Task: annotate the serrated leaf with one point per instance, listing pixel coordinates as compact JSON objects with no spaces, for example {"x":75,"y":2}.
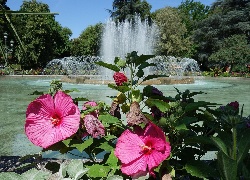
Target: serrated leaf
{"x":108,"y":66}
{"x":35,"y":174}
{"x":75,"y":169}
{"x":200,"y":169}
{"x":97,"y":170}
{"x":10,"y":176}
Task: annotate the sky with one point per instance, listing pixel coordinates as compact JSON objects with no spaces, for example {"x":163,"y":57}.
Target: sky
{"x":77,"y":15}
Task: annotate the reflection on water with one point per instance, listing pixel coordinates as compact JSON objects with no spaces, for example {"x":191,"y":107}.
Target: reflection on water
{"x":14,"y":99}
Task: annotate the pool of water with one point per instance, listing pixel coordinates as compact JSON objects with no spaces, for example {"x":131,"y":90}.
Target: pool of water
{"x":14,"y":98}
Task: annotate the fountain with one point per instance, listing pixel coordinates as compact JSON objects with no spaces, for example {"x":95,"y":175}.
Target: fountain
{"x":118,"y":39}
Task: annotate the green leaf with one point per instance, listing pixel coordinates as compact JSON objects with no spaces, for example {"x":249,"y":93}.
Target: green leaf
{"x":115,"y":177}
{"x":220,"y":144}
{"x":108,"y":66}
{"x":145,"y":65}
{"x":10,"y":176}
{"x":243,"y":146}
{"x":152,"y":77}
{"x":112,"y":160}
{"x":200,"y":169}
{"x":108,"y":119}
{"x":35,"y":174}
{"x":161,"y":105}
{"x":198,"y":139}
{"x":189,"y":120}
{"x":122,"y":89}
{"x":227,"y":166}
{"x":83,"y":145}
{"x":75,"y":169}
{"x":181,"y":127}
{"x":140,"y":73}
{"x":136,"y":96}
{"x":97,"y":170}
{"x":109,"y":137}
{"x":105,"y":146}
{"x":53,"y":166}
{"x":197,"y":105}
{"x":141,"y":59}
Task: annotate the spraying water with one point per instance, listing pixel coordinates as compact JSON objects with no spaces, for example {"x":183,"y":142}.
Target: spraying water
{"x":118,"y":39}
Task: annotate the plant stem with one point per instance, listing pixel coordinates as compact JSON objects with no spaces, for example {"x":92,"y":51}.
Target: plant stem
{"x":234,"y":155}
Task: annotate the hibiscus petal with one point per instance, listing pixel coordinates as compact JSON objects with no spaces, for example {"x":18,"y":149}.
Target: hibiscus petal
{"x":36,"y":128}
{"x":68,"y":126}
{"x":155,"y":159}
{"x":135,"y":168}
{"x":43,"y":106}
{"x":128,"y":147}
{"x":154,"y":131}
{"x":64,"y":104}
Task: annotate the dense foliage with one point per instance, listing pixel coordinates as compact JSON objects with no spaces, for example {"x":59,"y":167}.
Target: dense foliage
{"x":127,"y":9}
{"x":172,"y":33}
{"x":227,"y":18}
{"x":190,"y":30}
{"x":89,"y":41}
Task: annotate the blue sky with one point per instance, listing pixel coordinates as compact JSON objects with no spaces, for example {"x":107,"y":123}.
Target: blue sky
{"x":82,"y":13}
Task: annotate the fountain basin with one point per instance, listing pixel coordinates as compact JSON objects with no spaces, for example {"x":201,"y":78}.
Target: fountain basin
{"x":88,"y":79}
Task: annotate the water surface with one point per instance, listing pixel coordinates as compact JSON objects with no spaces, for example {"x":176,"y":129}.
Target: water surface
{"x":14,"y":98}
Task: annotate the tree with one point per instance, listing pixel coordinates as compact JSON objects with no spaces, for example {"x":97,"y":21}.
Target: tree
{"x":127,"y":9}
{"x":89,"y":41}
{"x":233,"y":51}
{"x":228,"y":18}
{"x":172,"y":30}
{"x":44,"y":38}
{"x":191,"y":13}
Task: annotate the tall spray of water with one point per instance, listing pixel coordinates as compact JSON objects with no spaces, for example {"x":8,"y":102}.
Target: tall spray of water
{"x":118,"y":39}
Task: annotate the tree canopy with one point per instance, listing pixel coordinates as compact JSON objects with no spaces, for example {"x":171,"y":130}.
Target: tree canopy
{"x":127,"y":9}
{"x":44,"y":38}
{"x":172,"y":32}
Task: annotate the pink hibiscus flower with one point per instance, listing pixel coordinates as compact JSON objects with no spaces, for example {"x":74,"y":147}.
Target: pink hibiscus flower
{"x":50,"y":120}
{"x":142,"y":151}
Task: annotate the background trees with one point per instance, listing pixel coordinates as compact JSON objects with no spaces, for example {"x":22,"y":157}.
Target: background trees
{"x":127,"y":9}
{"x":190,"y":30}
{"x":44,"y":38}
{"x":89,"y":41}
{"x":227,"y":18}
{"x":172,"y":33}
